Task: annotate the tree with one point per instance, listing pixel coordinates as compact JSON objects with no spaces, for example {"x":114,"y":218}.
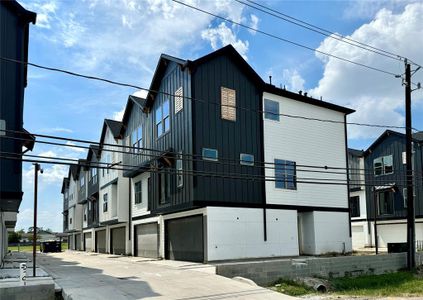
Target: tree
{"x":14,"y":237}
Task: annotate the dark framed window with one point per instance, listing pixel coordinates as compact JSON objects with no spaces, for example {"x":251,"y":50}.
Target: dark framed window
{"x":285,"y":174}
{"x":82,"y":180}
{"x":138,"y":192}
{"x":246,"y":159}
{"x":70,"y":220}
{"x":164,"y":185}
{"x":383,"y":165}
{"x":105,"y":202}
{"x":179,"y":171}
{"x":137,"y":139}
{"x":162,"y":116}
{"x":210,"y":154}
{"x":386,"y":203}
{"x":228,"y":103}
{"x":355,"y":206}
{"x":271,"y":110}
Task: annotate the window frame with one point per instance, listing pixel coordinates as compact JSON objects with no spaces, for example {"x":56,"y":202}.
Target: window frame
{"x":228,"y":111}
{"x":246,"y":162}
{"x":355,"y":214}
{"x":382,"y":160}
{"x":281,"y":170}
{"x":179,"y":100}
{"x":105,"y":202}
{"x":268,"y":115}
{"x":204,"y":150}
{"x":391,"y":199}
{"x":137,"y":139}
{"x":163,"y":119}
{"x":179,"y":171}
{"x":138,"y":193}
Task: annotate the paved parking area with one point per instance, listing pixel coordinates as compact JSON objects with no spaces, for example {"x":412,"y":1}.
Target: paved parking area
{"x":100,"y":276}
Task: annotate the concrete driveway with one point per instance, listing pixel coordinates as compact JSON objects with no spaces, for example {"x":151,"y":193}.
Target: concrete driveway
{"x":100,"y":276}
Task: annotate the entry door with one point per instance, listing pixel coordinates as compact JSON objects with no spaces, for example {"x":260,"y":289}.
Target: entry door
{"x":100,"y":241}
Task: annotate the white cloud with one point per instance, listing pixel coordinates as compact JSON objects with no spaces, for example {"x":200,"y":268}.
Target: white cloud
{"x":295,"y":82}
{"x":118,"y":115}
{"x":74,"y":148}
{"x":221,"y":36}
{"x":45,"y":219}
{"x":377,"y":97}
{"x":56,"y":130}
{"x":254,"y":20}
{"x":367,"y":9}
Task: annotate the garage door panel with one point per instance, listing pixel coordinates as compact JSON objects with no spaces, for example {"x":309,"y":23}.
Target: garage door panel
{"x":147,"y":237}
{"x":88,"y":242}
{"x":184,"y":239}
{"x":118,"y":240}
{"x":100,"y":241}
{"x":78,"y":242}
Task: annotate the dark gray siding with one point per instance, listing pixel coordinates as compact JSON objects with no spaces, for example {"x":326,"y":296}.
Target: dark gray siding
{"x":177,"y":139}
{"x":395,"y":145}
{"x":228,"y":137}
{"x":12,"y":81}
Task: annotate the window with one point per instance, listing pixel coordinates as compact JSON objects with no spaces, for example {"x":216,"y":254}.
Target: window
{"x":383,"y":165}
{"x":162,"y":118}
{"x":70,"y":220}
{"x":246,"y":159}
{"x":271,"y":110}
{"x":210,"y":154}
{"x":105,"y":200}
{"x":228,"y":104}
{"x":2,"y":127}
{"x":179,"y":100}
{"x":405,"y":197}
{"x":179,"y":170}
{"x":85,"y":216}
{"x":138,"y":192}
{"x":164,"y":185}
{"x":355,"y":206}
{"x":136,"y":139}
{"x":386,"y":203}
{"x":94,"y":175}
{"x":285,"y":174}
{"x":82,"y":180}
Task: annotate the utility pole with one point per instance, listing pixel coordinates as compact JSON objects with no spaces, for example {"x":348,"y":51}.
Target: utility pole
{"x":411,"y":262}
{"x":34,"y":233}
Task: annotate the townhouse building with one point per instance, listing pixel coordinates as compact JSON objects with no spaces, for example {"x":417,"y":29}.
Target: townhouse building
{"x":14,"y":38}
{"x":74,"y":209}
{"x":208,"y":168}
{"x":386,"y":190}
{"x":196,"y":148}
{"x":113,"y":235}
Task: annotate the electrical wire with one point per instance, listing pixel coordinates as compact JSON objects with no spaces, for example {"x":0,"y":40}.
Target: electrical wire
{"x":284,"y":39}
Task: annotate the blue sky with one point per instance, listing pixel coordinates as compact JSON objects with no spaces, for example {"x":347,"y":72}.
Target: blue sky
{"x":122,"y":40}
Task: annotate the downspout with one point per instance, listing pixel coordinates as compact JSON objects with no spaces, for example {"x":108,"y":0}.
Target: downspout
{"x":263,"y":183}
{"x":130,"y":212}
{"x":348,"y":172}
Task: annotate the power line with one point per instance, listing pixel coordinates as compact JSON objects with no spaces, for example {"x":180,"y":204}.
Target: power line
{"x":199,"y":158}
{"x":286,"y":40}
{"x":322,"y":31}
{"x":194,"y":157}
{"x":219,"y":175}
{"x":216,"y":103}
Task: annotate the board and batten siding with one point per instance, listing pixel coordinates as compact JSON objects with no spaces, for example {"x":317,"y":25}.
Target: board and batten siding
{"x":229,"y":138}
{"x":178,"y":138}
{"x":306,"y":143}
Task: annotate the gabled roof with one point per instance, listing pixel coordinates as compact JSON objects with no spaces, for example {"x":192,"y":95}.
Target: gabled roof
{"x":82,"y":164}
{"x":355,"y":152}
{"x":73,"y":171}
{"x":132,"y":100}
{"x":93,"y":150}
{"x":65,"y":184}
{"x":22,"y":13}
{"x":303,"y":98}
{"x":417,"y":137}
{"x":116,"y":129}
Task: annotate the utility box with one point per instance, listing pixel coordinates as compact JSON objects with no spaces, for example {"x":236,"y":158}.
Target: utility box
{"x":397,"y":247}
{"x":52,"y":246}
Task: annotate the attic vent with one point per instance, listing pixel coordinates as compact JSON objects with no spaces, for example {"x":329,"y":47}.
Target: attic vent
{"x":179,"y":100}
{"x":228,"y":104}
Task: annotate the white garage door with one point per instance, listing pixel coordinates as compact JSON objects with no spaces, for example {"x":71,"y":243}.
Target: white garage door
{"x":147,"y":240}
{"x":118,"y":240}
{"x":87,"y":242}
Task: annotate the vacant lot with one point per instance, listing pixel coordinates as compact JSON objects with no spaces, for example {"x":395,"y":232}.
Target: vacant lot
{"x":400,"y":284}
{"x":29,"y":248}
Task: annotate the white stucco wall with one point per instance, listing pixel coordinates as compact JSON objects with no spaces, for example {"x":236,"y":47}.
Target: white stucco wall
{"x":235,"y":233}
{"x":141,"y":208}
{"x":307,"y":143}
{"x":360,"y":235}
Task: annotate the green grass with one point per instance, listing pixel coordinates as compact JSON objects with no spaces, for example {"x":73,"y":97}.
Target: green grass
{"x":392,"y":284}
{"x":292,"y":288}
{"x":29,"y":248}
